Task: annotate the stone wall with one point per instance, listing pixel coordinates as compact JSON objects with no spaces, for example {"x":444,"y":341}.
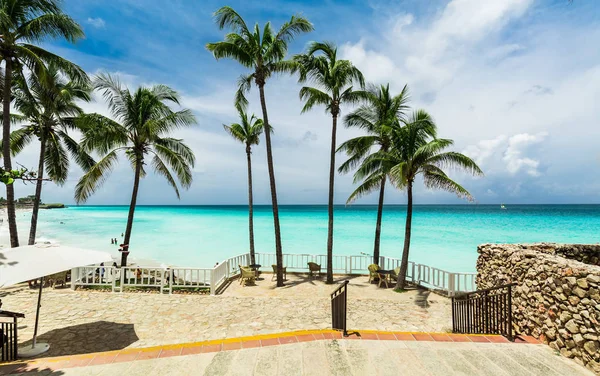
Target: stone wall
{"x":557,"y":297}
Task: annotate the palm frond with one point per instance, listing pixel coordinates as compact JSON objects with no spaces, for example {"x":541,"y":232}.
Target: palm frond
{"x":439,"y":180}
{"x":101,"y":133}
{"x":227,"y":17}
{"x":81,"y":157}
{"x":244,"y":84}
{"x":161,"y":169}
{"x":221,"y":50}
{"x":295,"y":26}
{"x":95,"y":177}
{"x":455,"y":160}
{"x":56,"y":160}
{"x":50,"y":25}
{"x":20,"y":138}
{"x":177,"y":163}
{"x":369,"y":185}
{"x":314,"y":97}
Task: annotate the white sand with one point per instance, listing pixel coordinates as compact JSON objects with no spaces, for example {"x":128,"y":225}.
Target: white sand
{"x":4,"y":235}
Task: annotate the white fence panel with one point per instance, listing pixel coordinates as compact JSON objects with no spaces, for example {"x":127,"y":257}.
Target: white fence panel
{"x":133,"y":276}
{"x":220,"y":274}
{"x":181,"y":277}
{"x":188,"y":278}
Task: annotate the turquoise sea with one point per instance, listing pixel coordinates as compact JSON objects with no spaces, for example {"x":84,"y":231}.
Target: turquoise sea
{"x":444,"y":236}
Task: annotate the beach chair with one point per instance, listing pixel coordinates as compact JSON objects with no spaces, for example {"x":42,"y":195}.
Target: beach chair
{"x":313,"y":268}
{"x":396,"y":273}
{"x":57,"y":278}
{"x":275,"y":272}
{"x":373,"y":268}
{"x":246,"y":275}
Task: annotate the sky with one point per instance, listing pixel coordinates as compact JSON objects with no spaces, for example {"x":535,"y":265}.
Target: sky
{"x":515,"y":84}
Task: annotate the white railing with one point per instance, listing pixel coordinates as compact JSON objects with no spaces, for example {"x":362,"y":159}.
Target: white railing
{"x":219,"y":275}
{"x":215,"y":278}
{"x":236,"y":261}
{"x":133,"y":276}
{"x":95,"y":276}
{"x":188,"y":278}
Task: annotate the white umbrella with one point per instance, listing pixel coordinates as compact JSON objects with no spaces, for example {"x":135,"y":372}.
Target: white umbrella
{"x":36,"y":261}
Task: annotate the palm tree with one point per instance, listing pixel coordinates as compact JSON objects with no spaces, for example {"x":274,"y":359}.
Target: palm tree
{"x":51,"y":110}
{"x":143,"y":122}
{"x":248,"y":132}
{"x":24,"y":22}
{"x":333,"y":79}
{"x":264,"y":54}
{"x":382,"y":114}
{"x":416,"y":150}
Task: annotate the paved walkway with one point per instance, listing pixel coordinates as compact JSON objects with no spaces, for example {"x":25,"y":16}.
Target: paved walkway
{"x":78,"y":322}
{"x":317,"y":353}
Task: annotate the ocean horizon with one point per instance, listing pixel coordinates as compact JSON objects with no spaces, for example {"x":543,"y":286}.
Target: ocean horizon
{"x":444,"y":236}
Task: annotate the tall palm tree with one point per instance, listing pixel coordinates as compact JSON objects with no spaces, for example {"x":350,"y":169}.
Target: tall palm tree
{"x":264,"y":54}
{"x":416,"y":150}
{"x":23,"y":22}
{"x":50,"y":108}
{"x":141,"y":127}
{"x":248,"y":132}
{"x":333,"y":80}
{"x":382,"y":114}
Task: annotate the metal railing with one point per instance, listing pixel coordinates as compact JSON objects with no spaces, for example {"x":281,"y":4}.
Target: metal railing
{"x":339,"y":306}
{"x":214,"y":278}
{"x":8,"y":339}
{"x":486,"y":311}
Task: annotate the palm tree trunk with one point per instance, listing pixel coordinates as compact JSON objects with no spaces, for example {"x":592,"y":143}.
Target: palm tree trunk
{"x":10,"y":189}
{"x":38,"y":191}
{"x":404,"y":264}
{"x":250,"y":212}
{"x":136,"y":185}
{"x":278,"y":249}
{"x":330,"y":205}
{"x":378,"y":226}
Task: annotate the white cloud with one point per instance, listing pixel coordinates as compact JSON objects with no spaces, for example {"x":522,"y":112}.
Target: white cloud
{"x":514,"y":84}
{"x":511,"y":155}
{"x":514,"y":158}
{"x":484,"y":149}
{"x":97,"y":22}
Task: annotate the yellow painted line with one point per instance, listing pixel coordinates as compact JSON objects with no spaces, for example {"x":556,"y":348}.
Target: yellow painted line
{"x":257,"y":337}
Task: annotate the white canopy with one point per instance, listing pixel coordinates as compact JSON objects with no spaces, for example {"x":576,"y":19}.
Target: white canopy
{"x":35,"y":261}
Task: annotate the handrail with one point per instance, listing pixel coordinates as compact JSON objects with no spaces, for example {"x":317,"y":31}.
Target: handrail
{"x":451,"y":283}
{"x":339,"y":288}
{"x":468,"y":294}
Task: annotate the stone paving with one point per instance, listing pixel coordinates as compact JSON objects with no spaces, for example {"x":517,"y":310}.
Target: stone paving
{"x":76,"y":322}
{"x":346,"y":357}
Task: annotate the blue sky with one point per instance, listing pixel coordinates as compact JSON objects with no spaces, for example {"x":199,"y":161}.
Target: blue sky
{"x":515,"y":83}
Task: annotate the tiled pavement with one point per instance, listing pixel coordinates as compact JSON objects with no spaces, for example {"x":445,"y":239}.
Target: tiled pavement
{"x":321,"y":352}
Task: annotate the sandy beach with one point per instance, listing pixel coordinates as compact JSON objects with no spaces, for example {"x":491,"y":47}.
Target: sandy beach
{"x":4,"y":235}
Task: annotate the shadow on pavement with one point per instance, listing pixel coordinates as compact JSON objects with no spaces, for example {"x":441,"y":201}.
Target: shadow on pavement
{"x":87,"y":338}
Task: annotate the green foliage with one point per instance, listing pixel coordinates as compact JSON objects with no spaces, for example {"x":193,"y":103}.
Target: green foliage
{"x":332,"y":78}
{"x":23,"y":22}
{"x":260,"y":49}
{"x":9,"y":177}
{"x":415,"y":150}
{"x":248,"y":131}
{"x":54,"y":205}
{"x":141,"y":129}
{"x":51,"y":109}
{"x":380,"y":115}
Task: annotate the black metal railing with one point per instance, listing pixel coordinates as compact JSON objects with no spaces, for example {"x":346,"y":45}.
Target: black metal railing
{"x":8,"y":340}
{"x":339,"y":302}
{"x":486,"y":311}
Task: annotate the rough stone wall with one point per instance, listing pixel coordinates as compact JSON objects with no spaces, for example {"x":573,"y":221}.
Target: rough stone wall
{"x":557,"y":297}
